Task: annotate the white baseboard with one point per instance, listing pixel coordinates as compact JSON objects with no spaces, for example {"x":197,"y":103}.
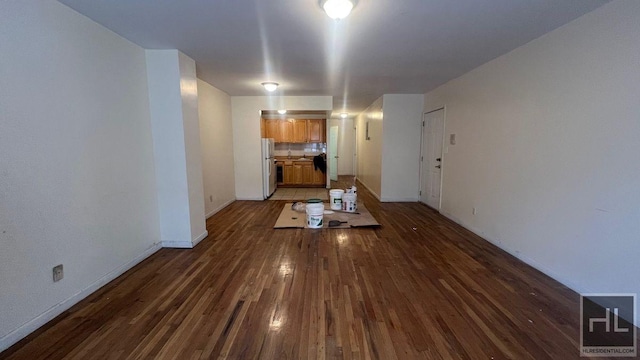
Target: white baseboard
{"x":32,"y":325}
{"x":216,"y":210}
{"x":200,"y":238}
{"x":386,"y":199}
{"x":184,"y":244}
{"x":250,"y":198}
{"x":368,"y":188}
{"x":177,"y":244}
{"x":517,"y":254}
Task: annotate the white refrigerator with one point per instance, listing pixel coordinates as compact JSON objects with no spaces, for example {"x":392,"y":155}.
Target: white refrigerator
{"x":268,"y":168}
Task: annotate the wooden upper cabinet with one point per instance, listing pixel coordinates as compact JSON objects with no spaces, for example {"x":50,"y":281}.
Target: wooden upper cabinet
{"x":272,"y":129}
{"x":286,"y":131}
{"x":294,"y":130}
{"x":299,"y":131}
{"x":315,"y":131}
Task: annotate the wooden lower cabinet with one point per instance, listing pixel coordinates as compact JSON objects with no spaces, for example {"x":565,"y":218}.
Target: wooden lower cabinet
{"x":318,"y":177}
{"x":287,"y":174}
{"x":307,"y":174}
{"x":302,"y":174}
{"x":297,"y":174}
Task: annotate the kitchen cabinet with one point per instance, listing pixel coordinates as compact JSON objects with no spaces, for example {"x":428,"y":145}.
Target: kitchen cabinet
{"x":286,"y":131}
{"x":318,"y":177}
{"x":307,"y":174}
{"x":297,"y":173}
{"x":272,"y":129}
{"x":300,"y":174}
{"x":315,"y":131}
{"x":287,"y":170}
{"x":299,"y":131}
{"x":294,"y":130}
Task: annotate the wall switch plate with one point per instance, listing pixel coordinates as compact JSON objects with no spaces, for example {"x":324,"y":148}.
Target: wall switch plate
{"x":452,"y":139}
{"x":475,"y":211}
{"x":58,"y":273}
{"x":210,"y":198}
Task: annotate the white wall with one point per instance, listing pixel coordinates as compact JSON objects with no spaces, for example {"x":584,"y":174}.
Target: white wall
{"x":193,"y":149}
{"x":216,"y":141}
{"x":173,"y":99}
{"x":389,"y":162}
{"x":401,"y":129}
{"x":76,"y":161}
{"x":369,"y":152}
{"x":247,"y":148}
{"x":548,"y":138}
{"x":345,"y":144}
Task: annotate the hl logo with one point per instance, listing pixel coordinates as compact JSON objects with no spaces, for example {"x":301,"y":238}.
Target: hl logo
{"x":605,"y":320}
{"x":607,"y":325}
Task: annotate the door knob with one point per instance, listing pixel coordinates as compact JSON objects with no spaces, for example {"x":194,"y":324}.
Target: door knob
{"x":438,"y":166}
{"x":439,"y":159}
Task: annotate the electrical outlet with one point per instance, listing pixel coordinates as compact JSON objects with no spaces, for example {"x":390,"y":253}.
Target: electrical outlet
{"x":58,"y":273}
{"x":474,"y":211}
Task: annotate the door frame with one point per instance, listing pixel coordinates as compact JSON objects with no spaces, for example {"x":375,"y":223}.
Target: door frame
{"x":422,"y":146}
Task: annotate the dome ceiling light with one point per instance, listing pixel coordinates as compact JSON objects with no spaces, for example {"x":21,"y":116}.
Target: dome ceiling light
{"x":337,"y":9}
{"x":270,"y":86}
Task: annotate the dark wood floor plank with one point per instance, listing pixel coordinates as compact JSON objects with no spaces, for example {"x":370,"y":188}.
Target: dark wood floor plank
{"x":418,"y":287}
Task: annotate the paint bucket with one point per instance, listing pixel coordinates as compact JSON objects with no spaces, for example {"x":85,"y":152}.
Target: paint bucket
{"x":315,"y":213}
{"x":349,"y":202}
{"x":335,"y":196}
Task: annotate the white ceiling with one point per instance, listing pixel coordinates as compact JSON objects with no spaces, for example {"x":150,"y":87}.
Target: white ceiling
{"x":383,"y":47}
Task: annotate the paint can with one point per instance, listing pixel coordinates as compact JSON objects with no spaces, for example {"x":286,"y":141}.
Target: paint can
{"x":315,"y":213}
{"x":335,"y":196}
{"x":349,"y":202}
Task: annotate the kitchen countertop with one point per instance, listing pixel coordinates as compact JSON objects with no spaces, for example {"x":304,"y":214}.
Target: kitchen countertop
{"x":292,"y":159}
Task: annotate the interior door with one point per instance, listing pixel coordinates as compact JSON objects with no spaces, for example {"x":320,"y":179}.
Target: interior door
{"x":333,"y":153}
{"x":431,"y":158}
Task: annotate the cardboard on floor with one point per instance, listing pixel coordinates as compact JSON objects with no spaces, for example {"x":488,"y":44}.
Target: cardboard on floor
{"x":289,"y":218}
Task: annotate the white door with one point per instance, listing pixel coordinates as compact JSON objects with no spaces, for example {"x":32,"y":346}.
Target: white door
{"x":345,"y":145}
{"x":431,"y":158}
{"x":333,"y":153}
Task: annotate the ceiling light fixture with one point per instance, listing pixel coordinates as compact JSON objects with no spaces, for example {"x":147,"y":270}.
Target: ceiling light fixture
{"x":282,"y":112}
{"x":337,"y":9}
{"x":270,"y":86}
{"x":344,"y":115}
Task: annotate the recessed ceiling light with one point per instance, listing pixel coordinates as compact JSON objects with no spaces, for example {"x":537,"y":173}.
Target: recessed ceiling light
{"x":282,"y":112}
{"x":344,"y":115}
{"x":337,"y":9}
{"x":270,"y":86}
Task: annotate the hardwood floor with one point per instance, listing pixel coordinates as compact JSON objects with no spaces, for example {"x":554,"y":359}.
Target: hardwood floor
{"x":419,"y":286}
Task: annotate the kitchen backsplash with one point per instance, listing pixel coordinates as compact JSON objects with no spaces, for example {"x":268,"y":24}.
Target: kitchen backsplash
{"x":312,"y":149}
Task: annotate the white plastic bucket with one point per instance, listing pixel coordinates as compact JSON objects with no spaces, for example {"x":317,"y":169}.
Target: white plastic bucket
{"x":349,"y":202}
{"x":335,"y":196}
{"x":315,"y":214}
